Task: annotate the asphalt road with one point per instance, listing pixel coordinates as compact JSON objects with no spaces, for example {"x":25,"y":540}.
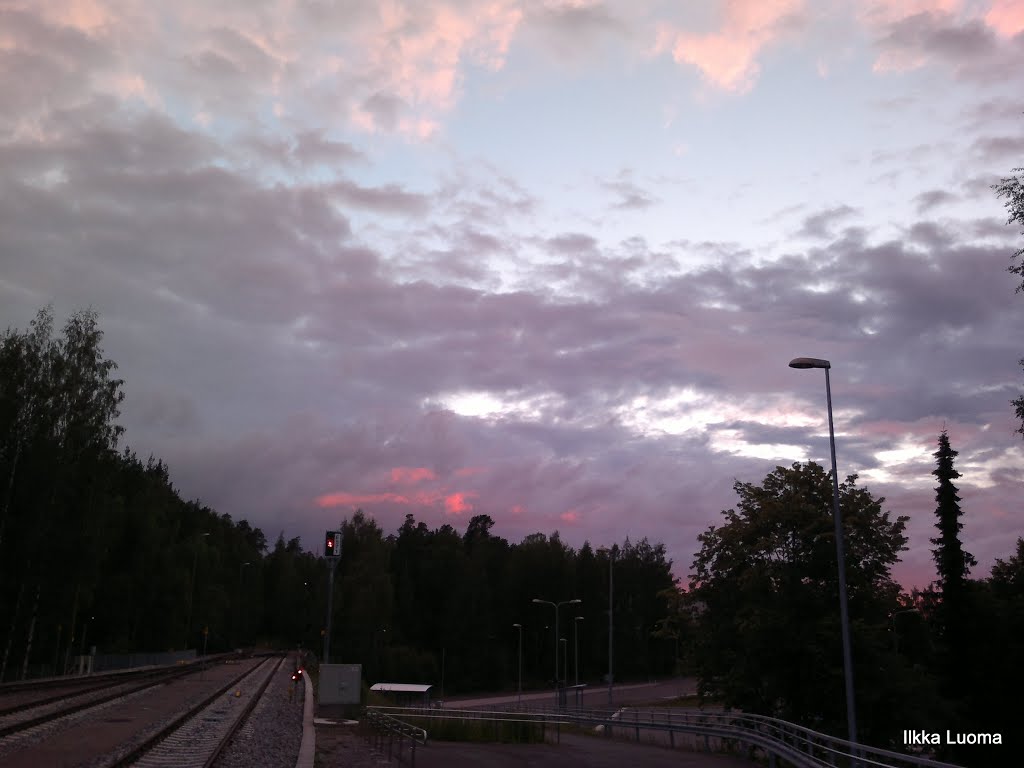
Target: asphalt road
{"x":595,"y":697}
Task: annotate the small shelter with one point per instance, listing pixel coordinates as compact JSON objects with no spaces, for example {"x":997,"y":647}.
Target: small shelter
{"x":403,"y":694}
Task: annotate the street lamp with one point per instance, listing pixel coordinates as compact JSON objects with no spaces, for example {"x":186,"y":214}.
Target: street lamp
{"x":576,"y":637}
{"x":844,"y":618}
{"x":520,"y":695}
{"x":556,"y":606}
{"x":192,"y":589}
{"x":611,"y":628}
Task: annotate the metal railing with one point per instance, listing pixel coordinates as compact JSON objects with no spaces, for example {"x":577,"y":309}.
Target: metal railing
{"x":386,"y":729}
{"x":778,"y":740}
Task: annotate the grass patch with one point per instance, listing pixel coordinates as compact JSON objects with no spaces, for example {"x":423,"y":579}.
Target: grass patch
{"x":479,"y":731}
{"x":690,"y":701}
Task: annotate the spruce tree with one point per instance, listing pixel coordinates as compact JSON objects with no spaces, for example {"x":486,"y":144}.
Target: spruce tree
{"x":951,"y":559}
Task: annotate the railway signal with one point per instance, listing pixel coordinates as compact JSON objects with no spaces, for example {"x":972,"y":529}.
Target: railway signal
{"x":332,"y":544}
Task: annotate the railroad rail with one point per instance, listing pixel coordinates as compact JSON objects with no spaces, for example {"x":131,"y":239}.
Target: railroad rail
{"x":196,"y":738}
{"x":119,"y":726}
{"x":783,"y":743}
{"x":29,"y":713}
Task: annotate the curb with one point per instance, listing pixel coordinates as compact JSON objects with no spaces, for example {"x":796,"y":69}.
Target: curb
{"x":307,"y":749}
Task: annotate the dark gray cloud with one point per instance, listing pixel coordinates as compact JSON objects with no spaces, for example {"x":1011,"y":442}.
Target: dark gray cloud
{"x":571,"y":31}
{"x":631,"y":197}
{"x":933,"y":198}
{"x":819,"y":225}
{"x":967,"y":45}
{"x":999,"y":149}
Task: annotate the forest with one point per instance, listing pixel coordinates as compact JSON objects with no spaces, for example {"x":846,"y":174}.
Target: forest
{"x":98,"y":549}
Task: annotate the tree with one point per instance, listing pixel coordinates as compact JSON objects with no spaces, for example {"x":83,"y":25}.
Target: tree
{"x":1008,"y":575}
{"x":768,"y":634}
{"x":952,"y":561}
{"x":1012,"y":188}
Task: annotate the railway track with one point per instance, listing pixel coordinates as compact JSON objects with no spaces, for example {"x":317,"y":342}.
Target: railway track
{"x":16,"y":718}
{"x":196,"y":739}
{"x":181,"y":719}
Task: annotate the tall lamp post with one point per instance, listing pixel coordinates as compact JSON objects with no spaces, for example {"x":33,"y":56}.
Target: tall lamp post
{"x":520,"y":690}
{"x":611,"y":624}
{"x":844,"y":618}
{"x":576,"y":637}
{"x":556,"y":606}
{"x":565,"y":657}
{"x":192,"y":588}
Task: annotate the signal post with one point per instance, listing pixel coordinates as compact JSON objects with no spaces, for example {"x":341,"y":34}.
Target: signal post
{"x":332,"y":551}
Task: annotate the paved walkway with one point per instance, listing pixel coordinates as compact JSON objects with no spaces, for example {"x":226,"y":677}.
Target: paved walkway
{"x":593,"y":697}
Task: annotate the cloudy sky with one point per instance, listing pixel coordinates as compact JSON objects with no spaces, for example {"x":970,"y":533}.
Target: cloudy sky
{"x":545,"y":260}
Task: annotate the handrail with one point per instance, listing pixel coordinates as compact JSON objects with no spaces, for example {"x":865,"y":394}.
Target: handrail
{"x":387,"y":725}
{"x":795,"y":744}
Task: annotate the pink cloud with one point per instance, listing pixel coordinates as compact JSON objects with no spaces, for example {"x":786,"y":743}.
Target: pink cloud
{"x":1006,"y":17}
{"x":411,"y":475}
{"x":83,"y":15}
{"x":345,"y":499}
{"x":456,"y":503}
{"x":728,"y":57}
{"x":572,"y":516}
{"x":421,"y":49}
{"x":469,"y":471}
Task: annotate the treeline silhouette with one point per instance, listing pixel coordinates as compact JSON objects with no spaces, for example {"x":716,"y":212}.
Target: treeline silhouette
{"x":97,"y":548}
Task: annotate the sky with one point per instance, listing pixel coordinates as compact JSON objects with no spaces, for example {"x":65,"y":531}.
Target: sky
{"x":546,"y":261}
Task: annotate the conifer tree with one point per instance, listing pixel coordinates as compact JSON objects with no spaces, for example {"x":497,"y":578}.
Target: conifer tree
{"x":952,"y":561}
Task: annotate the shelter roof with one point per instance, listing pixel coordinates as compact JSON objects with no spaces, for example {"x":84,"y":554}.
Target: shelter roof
{"x":400,"y":687}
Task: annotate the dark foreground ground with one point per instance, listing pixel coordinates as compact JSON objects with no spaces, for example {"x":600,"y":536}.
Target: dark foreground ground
{"x":572,"y":752}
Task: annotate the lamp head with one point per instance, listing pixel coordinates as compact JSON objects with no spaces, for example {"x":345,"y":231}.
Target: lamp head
{"x":577,"y":600}
{"x":537,"y":600}
{"x":809,"y":362}
{"x":520,"y":626}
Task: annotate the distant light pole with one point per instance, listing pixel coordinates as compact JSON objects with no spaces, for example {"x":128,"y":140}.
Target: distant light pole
{"x":565,"y":657}
{"x":520,"y":690}
{"x":576,"y":632}
{"x":844,"y":618}
{"x":611,"y":624}
{"x":192,"y":588}
{"x":241,"y":609}
{"x":556,"y":606}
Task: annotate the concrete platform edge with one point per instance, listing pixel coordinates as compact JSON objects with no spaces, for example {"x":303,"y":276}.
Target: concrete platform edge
{"x":307,"y":749}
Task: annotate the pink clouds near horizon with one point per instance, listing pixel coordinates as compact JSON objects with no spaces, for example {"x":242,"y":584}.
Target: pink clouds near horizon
{"x":411,"y":475}
{"x":458,"y":503}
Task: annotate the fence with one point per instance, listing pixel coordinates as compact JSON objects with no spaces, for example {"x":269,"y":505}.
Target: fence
{"x":783,"y":743}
